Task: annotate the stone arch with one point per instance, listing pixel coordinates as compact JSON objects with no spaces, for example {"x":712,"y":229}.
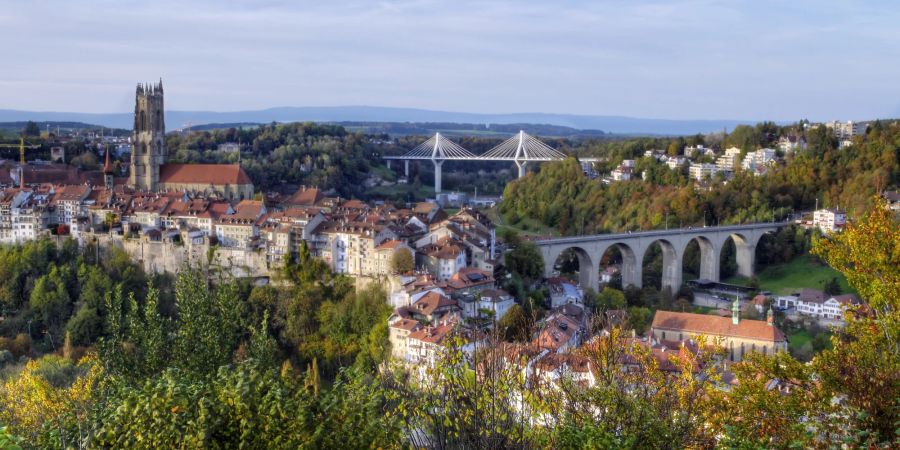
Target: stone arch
{"x":631,"y":269}
{"x":587,"y":270}
{"x":768,"y":237}
{"x":143,"y":121}
{"x":671,"y":264}
{"x":709,"y":257}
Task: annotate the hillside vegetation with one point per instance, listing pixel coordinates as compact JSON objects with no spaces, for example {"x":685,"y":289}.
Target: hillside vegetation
{"x":560,"y":196}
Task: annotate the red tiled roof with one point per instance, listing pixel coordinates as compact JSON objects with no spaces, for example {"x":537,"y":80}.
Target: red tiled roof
{"x":431,"y":302}
{"x":354,"y":204}
{"x":557,"y":331}
{"x":406,"y":324}
{"x":70,"y":192}
{"x":424,"y":207}
{"x":555,"y":361}
{"x":710,"y":325}
{"x":519,"y":353}
{"x":304,"y":197}
{"x":389,"y":245}
{"x":215,"y":174}
{"x":433,"y":335}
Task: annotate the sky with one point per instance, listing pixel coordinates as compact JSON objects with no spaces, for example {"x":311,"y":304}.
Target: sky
{"x":683,"y":59}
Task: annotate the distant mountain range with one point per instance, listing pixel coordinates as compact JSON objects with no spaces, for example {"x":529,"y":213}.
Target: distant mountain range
{"x":180,"y":119}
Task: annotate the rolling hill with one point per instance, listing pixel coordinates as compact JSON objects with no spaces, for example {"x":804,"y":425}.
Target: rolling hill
{"x":179,"y":119}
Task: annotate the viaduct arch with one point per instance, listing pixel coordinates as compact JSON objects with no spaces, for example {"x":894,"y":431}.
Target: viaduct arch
{"x":633,"y":246}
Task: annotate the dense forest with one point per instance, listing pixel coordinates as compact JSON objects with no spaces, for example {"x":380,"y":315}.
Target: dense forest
{"x":560,"y":196}
{"x":203,"y":362}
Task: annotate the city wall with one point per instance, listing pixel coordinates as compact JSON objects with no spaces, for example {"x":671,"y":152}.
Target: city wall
{"x":163,"y":256}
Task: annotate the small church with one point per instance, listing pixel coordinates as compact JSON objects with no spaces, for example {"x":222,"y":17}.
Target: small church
{"x":151,"y":173}
{"x":738,"y":336}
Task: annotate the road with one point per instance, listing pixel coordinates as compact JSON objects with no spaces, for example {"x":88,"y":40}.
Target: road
{"x":707,"y":300}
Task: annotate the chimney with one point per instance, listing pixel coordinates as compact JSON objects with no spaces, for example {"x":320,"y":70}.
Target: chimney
{"x":770,"y":318}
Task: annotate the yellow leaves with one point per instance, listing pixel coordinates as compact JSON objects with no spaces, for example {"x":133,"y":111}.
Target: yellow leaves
{"x":867,"y":252}
{"x":43,"y":392}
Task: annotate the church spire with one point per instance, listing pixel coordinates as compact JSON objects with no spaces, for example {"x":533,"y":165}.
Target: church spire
{"x":107,"y":167}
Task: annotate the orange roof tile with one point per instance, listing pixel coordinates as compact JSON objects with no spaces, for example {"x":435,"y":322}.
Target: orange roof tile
{"x":433,"y":335}
{"x":431,"y":302}
{"x":389,"y":245}
{"x":304,"y":197}
{"x":215,"y":174}
{"x":716,"y":326}
{"x":406,"y":324}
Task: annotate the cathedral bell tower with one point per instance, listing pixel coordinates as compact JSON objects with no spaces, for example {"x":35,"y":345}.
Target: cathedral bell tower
{"x":148,"y":143}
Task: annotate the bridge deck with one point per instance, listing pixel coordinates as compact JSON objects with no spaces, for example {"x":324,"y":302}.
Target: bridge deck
{"x":478,"y":158}
{"x":655,"y":233}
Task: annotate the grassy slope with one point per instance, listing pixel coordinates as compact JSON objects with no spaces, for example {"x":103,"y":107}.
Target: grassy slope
{"x":801,"y":272}
{"x":527,"y":227}
{"x":798,"y":338}
{"x":401,"y":190}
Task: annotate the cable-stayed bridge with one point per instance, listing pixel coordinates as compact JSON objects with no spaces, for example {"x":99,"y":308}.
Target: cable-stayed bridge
{"x":521,"y":149}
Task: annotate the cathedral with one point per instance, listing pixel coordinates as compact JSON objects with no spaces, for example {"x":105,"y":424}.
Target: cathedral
{"x":151,"y":173}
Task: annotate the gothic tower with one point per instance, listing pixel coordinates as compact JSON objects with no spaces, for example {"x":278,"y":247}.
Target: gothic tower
{"x":148,"y":143}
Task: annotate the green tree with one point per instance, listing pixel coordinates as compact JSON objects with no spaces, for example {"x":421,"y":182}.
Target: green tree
{"x":525,"y":260}
{"x":757,"y":416}
{"x":465,"y":409}
{"x":31,"y":129}
{"x":514,"y":326}
{"x":867,"y":252}
{"x":402,"y":261}
{"x":832,"y":286}
{"x":209,"y":323}
{"x":51,"y":301}
{"x":610,"y":298}
{"x":674,"y":149}
{"x":638,"y":319}
{"x":245,"y":407}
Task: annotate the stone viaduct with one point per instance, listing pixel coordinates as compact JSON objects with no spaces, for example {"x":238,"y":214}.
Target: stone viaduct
{"x":633,"y":246}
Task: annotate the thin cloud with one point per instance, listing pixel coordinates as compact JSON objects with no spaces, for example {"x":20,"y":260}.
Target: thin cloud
{"x":682,"y":59}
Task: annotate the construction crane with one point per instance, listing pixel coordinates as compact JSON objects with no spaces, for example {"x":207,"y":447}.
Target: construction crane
{"x":21,"y":145}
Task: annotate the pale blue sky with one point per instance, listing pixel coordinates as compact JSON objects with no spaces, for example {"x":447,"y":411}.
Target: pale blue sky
{"x":680,"y":59}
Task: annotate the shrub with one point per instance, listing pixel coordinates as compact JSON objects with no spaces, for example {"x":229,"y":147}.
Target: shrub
{"x":21,"y":345}
{"x":6,"y":357}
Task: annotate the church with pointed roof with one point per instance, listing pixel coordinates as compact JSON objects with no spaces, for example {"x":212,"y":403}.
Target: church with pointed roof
{"x":149,"y":171}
